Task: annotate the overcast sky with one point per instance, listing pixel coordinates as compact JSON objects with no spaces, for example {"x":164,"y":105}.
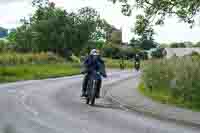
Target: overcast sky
{"x":11,"y":11}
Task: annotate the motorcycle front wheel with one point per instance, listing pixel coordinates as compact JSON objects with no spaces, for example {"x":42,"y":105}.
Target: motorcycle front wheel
{"x":93,"y":92}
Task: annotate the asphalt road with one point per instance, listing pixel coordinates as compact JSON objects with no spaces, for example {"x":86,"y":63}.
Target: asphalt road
{"x":55,"y":106}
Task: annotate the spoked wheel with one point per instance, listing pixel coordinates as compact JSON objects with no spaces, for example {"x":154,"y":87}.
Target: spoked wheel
{"x":93,"y":92}
{"x":93,"y":101}
{"x":87,"y":100}
{"x":88,"y":95}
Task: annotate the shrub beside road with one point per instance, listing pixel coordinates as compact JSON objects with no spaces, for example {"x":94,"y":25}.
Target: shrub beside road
{"x":173,"y":81}
{"x":115,"y":63}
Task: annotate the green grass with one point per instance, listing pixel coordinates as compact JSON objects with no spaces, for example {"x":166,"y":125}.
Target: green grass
{"x":37,"y":71}
{"x":165,"y":97}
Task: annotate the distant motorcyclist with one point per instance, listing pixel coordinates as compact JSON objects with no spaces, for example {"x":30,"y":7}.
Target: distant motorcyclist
{"x":93,"y":63}
{"x":137,"y":61}
{"x":122,"y":64}
{"x":137,"y":58}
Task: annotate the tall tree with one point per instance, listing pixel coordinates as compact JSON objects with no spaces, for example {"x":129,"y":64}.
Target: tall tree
{"x":53,"y":29}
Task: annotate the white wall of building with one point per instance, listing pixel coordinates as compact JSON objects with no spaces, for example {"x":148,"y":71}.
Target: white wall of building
{"x":180,"y":51}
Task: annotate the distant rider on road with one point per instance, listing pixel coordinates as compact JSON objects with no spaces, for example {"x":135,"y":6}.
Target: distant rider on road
{"x":137,"y":60}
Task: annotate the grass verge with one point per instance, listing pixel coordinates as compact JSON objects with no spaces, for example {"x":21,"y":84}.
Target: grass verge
{"x":165,"y":97}
{"x":37,"y":71}
{"x":18,"y":72}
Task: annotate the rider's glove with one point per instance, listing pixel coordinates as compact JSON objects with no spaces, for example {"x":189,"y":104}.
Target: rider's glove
{"x":104,"y":75}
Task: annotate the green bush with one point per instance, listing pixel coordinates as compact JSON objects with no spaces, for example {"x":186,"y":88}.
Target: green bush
{"x":116,"y":52}
{"x":12,"y":58}
{"x":158,"y":53}
{"x":92,"y":45}
{"x":56,"y":30}
{"x":194,"y":53}
{"x":115,"y":63}
{"x":128,"y":53}
{"x":111,"y":51}
{"x":3,"y":45}
{"x":7,"y":46}
{"x":75,"y":59}
{"x":176,"y":78}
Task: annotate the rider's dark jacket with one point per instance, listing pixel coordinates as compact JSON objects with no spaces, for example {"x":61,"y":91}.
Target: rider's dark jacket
{"x":94,"y":64}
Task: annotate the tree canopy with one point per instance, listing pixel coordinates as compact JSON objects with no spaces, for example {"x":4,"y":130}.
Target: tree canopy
{"x":178,"y":45}
{"x":54,"y":29}
{"x":143,"y":44}
{"x":156,"y":11}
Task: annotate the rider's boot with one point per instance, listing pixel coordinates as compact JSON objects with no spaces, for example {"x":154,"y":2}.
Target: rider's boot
{"x":83,"y":94}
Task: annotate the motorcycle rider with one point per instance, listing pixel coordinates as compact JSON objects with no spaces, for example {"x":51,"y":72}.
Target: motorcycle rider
{"x":137,"y":60}
{"x":93,"y":63}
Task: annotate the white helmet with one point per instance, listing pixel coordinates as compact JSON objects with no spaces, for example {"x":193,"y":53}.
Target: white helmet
{"x":94,"y":52}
